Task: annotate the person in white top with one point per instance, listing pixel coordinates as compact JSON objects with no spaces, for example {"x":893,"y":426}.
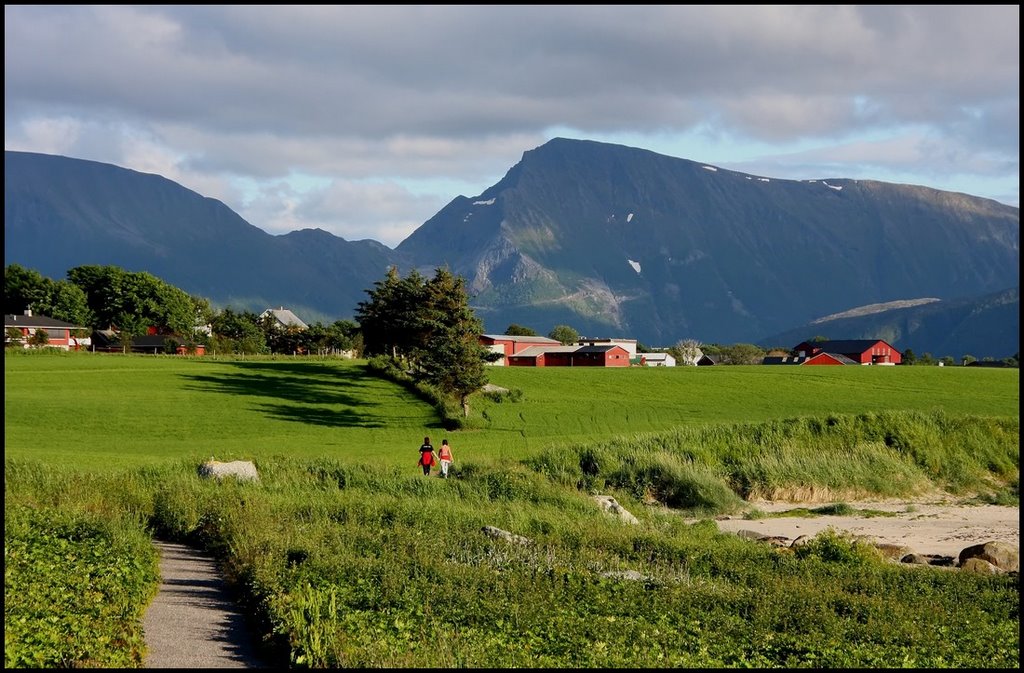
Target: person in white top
{"x":444,"y":455}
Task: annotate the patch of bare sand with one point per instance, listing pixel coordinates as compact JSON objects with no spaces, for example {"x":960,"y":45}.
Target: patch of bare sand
{"x":926,"y":527}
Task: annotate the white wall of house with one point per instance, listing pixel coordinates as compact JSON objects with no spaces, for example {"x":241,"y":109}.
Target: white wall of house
{"x":659,"y":359}
{"x":500,"y":349}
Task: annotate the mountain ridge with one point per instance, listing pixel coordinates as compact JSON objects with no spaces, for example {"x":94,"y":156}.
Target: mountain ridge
{"x":609,"y":239}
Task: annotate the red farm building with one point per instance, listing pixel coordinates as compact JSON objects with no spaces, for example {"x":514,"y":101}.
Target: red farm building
{"x":859,"y":351}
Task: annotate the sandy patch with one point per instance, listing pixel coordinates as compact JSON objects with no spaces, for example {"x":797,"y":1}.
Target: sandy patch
{"x":925,"y":527}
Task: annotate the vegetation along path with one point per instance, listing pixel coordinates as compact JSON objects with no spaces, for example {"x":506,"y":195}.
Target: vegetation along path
{"x":192,"y":623}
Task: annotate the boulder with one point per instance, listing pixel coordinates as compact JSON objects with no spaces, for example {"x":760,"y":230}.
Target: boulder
{"x":1000,"y":554}
{"x":980,"y":566}
{"x":916,"y":559}
{"x":774,"y":540}
{"x":893,"y":551}
{"x":748,"y":534}
{"x":609,"y":504}
{"x":500,"y":534}
{"x":243,"y":470}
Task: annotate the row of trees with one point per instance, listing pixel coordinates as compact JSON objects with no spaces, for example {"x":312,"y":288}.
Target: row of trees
{"x":109,"y":297}
{"x":412,"y":319}
{"x":105,"y":297}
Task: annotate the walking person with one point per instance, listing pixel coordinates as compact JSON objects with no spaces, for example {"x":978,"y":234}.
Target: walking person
{"x":445,"y":456}
{"x":428,"y":458}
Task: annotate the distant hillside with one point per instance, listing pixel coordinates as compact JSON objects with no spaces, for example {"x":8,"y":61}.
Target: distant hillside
{"x":987,"y":326}
{"x":616,"y":240}
{"x":611,"y":240}
{"x":60,"y":213}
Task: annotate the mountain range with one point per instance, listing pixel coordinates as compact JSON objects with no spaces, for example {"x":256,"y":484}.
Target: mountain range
{"x":611,"y":240}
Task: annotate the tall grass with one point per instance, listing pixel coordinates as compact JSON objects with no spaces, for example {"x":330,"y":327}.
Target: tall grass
{"x":347,"y":556}
{"x":371,"y":567}
{"x":888,"y":454}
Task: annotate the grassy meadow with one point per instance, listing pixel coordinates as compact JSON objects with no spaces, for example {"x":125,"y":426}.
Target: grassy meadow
{"x":345,"y":555}
{"x":109,"y":411}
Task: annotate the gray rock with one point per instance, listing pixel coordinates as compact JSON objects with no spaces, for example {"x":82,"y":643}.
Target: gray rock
{"x":748,"y":534}
{"x":609,"y":504}
{"x":1000,"y":554}
{"x":917,"y":559}
{"x":243,"y":470}
{"x":500,"y":534}
{"x":980,"y":566}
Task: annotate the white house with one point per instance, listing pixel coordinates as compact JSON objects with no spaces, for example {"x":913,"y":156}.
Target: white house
{"x":285,"y":318}
{"x":658,"y":359}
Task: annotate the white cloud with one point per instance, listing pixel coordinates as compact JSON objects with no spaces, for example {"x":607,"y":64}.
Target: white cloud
{"x":377,"y":101}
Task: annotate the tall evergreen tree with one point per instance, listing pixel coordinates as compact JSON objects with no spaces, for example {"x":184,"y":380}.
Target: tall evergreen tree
{"x":388,"y":320}
{"x":450,"y":355}
{"x":429,"y":325}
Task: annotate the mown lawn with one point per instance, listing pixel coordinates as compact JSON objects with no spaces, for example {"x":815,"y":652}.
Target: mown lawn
{"x":100,"y":411}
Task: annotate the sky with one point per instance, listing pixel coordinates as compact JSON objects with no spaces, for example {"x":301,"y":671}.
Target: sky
{"x":365,"y":121}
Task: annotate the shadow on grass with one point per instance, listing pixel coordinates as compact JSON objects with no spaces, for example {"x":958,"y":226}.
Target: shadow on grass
{"x":310,"y":391}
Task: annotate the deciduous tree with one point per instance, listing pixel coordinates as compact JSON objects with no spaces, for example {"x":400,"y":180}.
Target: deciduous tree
{"x":564,"y":334}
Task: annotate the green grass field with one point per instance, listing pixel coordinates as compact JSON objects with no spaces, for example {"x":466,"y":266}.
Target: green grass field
{"x":105,"y":411}
{"x":346,"y":556}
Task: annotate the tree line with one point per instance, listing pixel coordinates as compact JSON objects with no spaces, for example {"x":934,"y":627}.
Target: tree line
{"x":131,"y":303}
{"x":404,"y":317}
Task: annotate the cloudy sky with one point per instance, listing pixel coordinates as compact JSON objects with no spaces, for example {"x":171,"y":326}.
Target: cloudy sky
{"x":365,"y":121}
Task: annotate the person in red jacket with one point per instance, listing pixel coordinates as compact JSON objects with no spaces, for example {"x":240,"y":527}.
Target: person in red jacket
{"x":428,"y":458}
{"x":444,"y":454}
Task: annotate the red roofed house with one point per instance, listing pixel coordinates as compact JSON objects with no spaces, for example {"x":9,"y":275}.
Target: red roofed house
{"x":58,"y":331}
{"x":860,"y":351}
{"x":570,"y":356}
{"x":509,"y":345}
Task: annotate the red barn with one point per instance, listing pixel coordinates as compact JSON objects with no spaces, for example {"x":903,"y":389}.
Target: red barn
{"x":570,"y":356}
{"x":543,"y":356}
{"x":600,"y":356}
{"x":861,"y":351}
{"x":509,"y":345}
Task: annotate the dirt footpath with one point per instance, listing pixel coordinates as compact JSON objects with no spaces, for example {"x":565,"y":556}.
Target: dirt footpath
{"x":192,"y":623}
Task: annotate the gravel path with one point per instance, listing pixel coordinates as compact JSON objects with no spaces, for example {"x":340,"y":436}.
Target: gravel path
{"x":192,"y":622}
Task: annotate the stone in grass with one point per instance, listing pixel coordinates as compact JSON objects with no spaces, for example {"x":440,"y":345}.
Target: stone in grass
{"x":243,"y":470}
{"x":500,"y":534}
{"x":1000,"y":554}
{"x":611,"y":505}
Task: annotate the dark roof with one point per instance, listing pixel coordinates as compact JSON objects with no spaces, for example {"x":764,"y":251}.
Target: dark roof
{"x":988,"y":363}
{"x":844,"y":345}
{"x":798,"y":360}
{"x":598,"y":349}
{"x":36,"y":321}
{"x":521,"y":339}
{"x":783,"y":360}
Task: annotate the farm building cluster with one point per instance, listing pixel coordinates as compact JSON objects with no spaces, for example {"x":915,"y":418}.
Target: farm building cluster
{"x":515,"y":351}
{"x":538,"y":351}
